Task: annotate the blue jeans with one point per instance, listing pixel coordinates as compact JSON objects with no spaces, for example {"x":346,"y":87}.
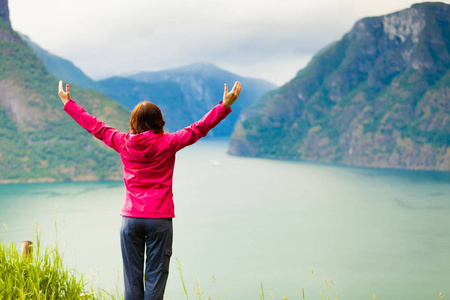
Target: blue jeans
{"x":154,"y":237}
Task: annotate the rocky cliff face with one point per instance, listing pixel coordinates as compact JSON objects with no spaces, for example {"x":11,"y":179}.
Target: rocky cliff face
{"x":5,"y":25}
{"x":379,"y":97}
{"x":4,"y":11}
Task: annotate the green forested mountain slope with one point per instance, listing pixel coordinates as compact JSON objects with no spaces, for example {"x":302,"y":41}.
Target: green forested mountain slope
{"x":38,"y":140}
{"x":379,"y":97}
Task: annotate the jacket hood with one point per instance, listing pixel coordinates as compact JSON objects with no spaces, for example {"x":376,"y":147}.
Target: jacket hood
{"x":143,"y":145}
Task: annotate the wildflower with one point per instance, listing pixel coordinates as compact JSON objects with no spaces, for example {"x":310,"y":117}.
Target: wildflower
{"x":198,"y":290}
{"x":285,"y":298}
{"x":374,"y":297}
{"x":82,"y":295}
{"x":312,"y":271}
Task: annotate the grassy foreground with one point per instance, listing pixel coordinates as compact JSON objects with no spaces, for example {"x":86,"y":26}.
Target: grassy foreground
{"x":42,"y":275}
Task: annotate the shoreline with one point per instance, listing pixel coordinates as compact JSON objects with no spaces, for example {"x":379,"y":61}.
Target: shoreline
{"x":53,"y":180}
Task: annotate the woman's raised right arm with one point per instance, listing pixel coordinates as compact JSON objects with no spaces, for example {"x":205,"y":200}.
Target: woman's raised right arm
{"x":110,"y":136}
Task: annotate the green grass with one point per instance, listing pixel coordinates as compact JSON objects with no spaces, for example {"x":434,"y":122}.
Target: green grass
{"x":42,"y":275}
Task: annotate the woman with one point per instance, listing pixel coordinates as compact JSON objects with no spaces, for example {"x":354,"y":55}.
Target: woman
{"x":148,"y":157}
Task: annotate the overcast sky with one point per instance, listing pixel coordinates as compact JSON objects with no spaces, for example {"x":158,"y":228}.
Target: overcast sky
{"x":257,"y":38}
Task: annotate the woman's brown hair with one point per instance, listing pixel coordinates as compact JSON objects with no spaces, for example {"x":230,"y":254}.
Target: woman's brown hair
{"x":146,"y":116}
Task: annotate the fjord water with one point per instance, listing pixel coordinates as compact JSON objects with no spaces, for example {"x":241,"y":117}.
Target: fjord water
{"x":248,"y":221}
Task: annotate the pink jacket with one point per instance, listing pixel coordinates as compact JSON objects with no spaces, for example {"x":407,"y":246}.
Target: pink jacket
{"x":148,"y":159}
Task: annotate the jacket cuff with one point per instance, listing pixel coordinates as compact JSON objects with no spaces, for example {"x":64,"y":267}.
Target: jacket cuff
{"x":68,"y":104}
{"x":224,"y":107}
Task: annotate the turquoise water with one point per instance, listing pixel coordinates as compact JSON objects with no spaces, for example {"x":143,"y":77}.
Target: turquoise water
{"x":247,"y":221}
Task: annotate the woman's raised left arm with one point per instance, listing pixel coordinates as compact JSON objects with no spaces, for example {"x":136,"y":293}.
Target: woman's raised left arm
{"x":189,"y":135}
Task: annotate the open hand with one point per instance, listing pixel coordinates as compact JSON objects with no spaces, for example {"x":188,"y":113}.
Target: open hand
{"x":229,"y":98}
{"x":65,"y":96}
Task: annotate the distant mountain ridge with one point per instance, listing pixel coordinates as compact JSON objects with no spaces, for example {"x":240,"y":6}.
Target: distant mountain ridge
{"x":379,"y":97}
{"x":167,"y":95}
{"x":202,"y":86}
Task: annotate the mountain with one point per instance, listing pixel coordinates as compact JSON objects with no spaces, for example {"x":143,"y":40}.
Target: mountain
{"x":379,"y":97}
{"x":38,"y":140}
{"x":167,"y":95}
{"x":202,"y":87}
{"x":123,"y":90}
{"x":184,"y":94}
